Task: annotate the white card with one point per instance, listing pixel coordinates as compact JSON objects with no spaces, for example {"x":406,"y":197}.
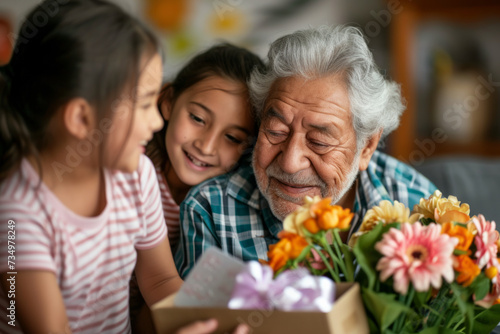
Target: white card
{"x":211,"y":281}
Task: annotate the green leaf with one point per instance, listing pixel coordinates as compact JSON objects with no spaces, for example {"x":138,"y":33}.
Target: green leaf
{"x":480,"y":286}
{"x":421,"y":298}
{"x":485,"y":321}
{"x":349,"y":261}
{"x":458,"y":252}
{"x":427,"y":221}
{"x":366,"y":256}
{"x":465,"y":308}
{"x":303,"y":254}
{"x":383,"y":307}
{"x":372,"y":325}
{"x":438,"y":330}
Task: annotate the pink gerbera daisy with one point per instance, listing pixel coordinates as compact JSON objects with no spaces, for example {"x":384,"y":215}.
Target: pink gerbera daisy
{"x":486,"y":242}
{"x":416,"y":253}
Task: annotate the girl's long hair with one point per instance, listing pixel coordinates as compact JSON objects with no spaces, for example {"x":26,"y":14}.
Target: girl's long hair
{"x":90,"y":49}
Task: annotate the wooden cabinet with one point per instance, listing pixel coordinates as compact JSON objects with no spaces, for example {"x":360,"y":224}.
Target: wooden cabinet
{"x":446,"y":56}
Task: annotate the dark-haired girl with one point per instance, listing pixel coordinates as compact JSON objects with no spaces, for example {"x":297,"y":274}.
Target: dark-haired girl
{"x":209,"y":123}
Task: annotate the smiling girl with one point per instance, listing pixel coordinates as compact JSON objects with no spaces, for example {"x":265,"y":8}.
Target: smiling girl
{"x":209,"y":123}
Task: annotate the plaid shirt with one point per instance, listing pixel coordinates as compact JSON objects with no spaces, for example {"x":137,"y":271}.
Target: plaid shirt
{"x":229,"y":211}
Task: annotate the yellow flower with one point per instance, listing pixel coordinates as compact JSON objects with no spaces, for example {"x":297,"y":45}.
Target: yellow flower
{"x":491,"y":272}
{"x":294,"y":221}
{"x":385,"y":213}
{"x":472,"y":228}
{"x":443,"y":210}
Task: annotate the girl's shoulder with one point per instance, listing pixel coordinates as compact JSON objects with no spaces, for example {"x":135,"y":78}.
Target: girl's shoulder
{"x":23,"y":198}
{"x":21,"y":186}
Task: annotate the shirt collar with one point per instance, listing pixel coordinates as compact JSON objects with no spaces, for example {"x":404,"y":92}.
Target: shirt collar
{"x":370,"y":190}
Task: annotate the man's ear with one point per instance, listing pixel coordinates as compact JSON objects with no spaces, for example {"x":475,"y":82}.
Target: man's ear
{"x":165,"y":101}
{"x":367,"y":151}
{"x":78,"y":117}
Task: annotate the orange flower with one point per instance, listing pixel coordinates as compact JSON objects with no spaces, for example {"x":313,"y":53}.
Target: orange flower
{"x":333,"y":216}
{"x":321,"y":205}
{"x":277,"y":257}
{"x":289,"y":247}
{"x":317,"y":214}
{"x":467,"y":269}
{"x":464,"y":236}
{"x":311,"y":225}
{"x":295,"y":220}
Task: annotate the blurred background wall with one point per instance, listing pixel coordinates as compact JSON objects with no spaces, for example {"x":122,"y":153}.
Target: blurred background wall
{"x":444,"y":53}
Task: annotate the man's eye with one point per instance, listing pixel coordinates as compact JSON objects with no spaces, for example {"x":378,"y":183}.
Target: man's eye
{"x":320,"y":147}
{"x":275,"y":137}
{"x":319,"y":144}
{"x":196,"y":118}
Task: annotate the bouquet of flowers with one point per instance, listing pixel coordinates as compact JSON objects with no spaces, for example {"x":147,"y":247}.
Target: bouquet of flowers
{"x":434,"y":271}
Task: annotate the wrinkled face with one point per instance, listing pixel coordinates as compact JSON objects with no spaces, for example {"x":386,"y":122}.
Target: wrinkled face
{"x":209,"y":127}
{"x":135,"y":119}
{"x":306,"y":143}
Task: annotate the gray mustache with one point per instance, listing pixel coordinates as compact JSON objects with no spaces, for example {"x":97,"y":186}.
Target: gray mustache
{"x":275,"y":171}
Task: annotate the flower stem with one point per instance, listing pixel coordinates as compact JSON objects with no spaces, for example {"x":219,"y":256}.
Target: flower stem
{"x":459,"y":323}
{"x":332,"y":272}
{"x":337,"y":257}
{"x":408,"y":298}
{"x":349,"y":274}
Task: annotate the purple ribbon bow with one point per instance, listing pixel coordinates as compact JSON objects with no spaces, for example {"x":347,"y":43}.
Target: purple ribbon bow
{"x":293,"y":290}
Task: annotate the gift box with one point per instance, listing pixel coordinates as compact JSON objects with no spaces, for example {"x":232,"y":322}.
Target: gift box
{"x":208,"y":288}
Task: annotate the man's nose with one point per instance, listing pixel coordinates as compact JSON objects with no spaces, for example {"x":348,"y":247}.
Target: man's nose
{"x":293,"y":157}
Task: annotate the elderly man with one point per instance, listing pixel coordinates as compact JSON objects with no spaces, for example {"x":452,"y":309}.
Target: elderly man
{"x":323,"y":109}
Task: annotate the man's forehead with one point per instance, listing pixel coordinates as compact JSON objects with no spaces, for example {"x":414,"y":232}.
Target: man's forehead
{"x":313,"y":88}
{"x":319,"y":94}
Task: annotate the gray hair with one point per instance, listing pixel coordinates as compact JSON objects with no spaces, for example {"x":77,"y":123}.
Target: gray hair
{"x":375,"y":102}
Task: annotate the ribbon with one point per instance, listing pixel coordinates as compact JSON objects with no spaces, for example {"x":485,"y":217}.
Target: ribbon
{"x":292,"y":290}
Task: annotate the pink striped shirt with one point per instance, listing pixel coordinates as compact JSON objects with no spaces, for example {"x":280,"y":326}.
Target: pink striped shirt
{"x":170,"y":210}
{"x":92,"y":258}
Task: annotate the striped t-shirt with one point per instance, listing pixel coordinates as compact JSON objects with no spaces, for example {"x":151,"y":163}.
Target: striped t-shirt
{"x":170,"y":210}
{"x":91,"y":257}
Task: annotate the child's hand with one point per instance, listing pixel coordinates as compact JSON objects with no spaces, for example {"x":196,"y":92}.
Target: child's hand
{"x":206,"y":327}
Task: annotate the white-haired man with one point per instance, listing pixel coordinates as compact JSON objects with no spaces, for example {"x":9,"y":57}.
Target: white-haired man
{"x":324,"y":107}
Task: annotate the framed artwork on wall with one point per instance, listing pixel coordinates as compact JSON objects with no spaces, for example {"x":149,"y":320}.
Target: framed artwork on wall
{"x":445,"y":56}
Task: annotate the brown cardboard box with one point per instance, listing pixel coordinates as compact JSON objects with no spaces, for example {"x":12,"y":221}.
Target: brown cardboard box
{"x":346,"y":317}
